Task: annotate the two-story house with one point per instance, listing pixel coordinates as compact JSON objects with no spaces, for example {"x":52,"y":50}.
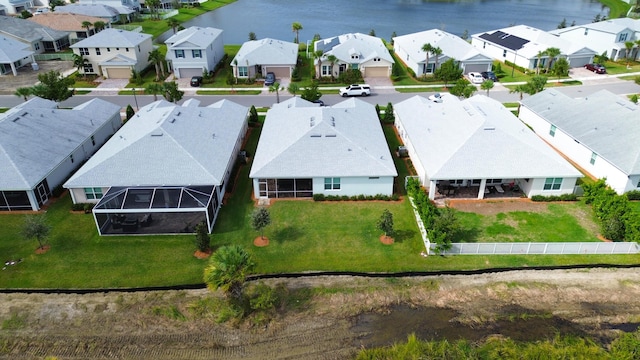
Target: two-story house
{"x":606,"y":37}
{"x":113,"y":53}
{"x":194,"y":50}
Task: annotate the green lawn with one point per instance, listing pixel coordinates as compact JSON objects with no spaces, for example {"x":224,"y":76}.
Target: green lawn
{"x":557,"y":225}
{"x":617,"y":8}
{"x":620,"y":67}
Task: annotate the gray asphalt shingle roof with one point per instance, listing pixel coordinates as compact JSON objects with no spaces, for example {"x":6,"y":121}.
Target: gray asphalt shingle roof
{"x":194,"y":37}
{"x":28,"y":30}
{"x":452,"y":46}
{"x":300,"y":140}
{"x":97,"y":10}
{"x":167,"y":144}
{"x":476,"y":138}
{"x":604,"y":122}
{"x":267,"y":52}
{"x":344,"y":46}
{"x":36,"y":136}
{"x":112,"y":38}
{"x":13,"y":50}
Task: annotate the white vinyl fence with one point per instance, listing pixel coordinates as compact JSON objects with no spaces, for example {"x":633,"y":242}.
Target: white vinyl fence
{"x":559,"y":248}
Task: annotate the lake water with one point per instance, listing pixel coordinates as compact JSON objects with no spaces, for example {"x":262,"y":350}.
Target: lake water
{"x":273,"y":18}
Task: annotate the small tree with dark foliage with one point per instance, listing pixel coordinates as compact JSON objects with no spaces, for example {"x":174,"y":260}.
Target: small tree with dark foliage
{"x":389,"y":118}
{"x":202,"y":239}
{"x":130,"y":112}
{"x":253,"y":115}
{"x":260,"y":219}
{"x":36,"y":227}
{"x":385,"y":223}
{"x":447,"y":72}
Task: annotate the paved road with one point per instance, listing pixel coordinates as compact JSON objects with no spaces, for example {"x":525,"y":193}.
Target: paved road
{"x":383,"y":96}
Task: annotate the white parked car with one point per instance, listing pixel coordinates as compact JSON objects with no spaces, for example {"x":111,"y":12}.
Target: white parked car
{"x":356,"y":90}
{"x":475,"y":77}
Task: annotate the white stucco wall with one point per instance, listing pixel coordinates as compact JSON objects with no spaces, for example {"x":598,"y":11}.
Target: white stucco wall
{"x":599,"y":41}
{"x":578,"y":153}
{"x":350,"y":186}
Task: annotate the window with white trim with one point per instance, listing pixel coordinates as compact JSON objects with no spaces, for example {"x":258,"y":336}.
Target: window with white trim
{"x":179,"y":53}
{"x":88,"y":68}
{"x":93,"y":193}
{"x":638,"y":185}
{"x":594,"y":156}
{"x":552,"y":184}
{"x":326,"y":70}
{"x":97,"y":51}
{"x":552,"y":131}
{"x":332,"y":183}
{"x":84,"y":51}
{"x":196,"y":53}
{"x":243,"y":71}
{"x":622,"y":37}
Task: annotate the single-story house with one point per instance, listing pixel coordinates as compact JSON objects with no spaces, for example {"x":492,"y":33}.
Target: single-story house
{"x":194,"y":50}
{"x":106,"y":12}
{"x":39,"y":38}
{"x":258,"y":57}
{"x":521,"y":44}
{"x":13,"y":55}
{"x":113,"y":53}
{"x":606,"y":37}
{"x":477,"y":143}
{"x":165,"y":171}
{"x":305,"y":149}
{"x":71,"y":23}
{"x":354,"y":51}
{"x":41,"y":146}
{"x":600,"y":133}
{"x":129,"y":4}
{"x":409,"y":49}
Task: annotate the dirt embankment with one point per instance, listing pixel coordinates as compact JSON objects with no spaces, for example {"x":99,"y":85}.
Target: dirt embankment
{"x":127,"y":325}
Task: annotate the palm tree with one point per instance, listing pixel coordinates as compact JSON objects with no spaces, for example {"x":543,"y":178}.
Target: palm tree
{"x":318,"y":54}
{"x":296,"y":27}
{"x":99,"y":26}
{"x":293,"y":89}
{"x":87,"y":25}
{"x":276,"y":88}
{"x":332,"y":59}
{"x":156,"y":57}
{"x":638,"y":48}
{"x":552,"y":53}
{"x":23,"y":92}
{"x":155,"y":89}
{"x":437,"y":52}
{"x":539,"y":64}
{"x":427,"y":48}
{"x":228,"y":269}
{"x":487,"y":85}
{"x":78,"y":62}
{"x":629,"y":47}
{"x":173,"y":24}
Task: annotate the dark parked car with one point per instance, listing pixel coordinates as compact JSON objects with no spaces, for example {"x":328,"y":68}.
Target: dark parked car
{"x":596,"y":68}
{"x":489,"y":75}
{"x":196,"y":81}
{"x":270,"y":79}
{"x":319,"y":102}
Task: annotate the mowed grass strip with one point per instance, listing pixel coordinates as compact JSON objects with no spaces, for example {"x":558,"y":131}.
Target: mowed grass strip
{"x":557,"y":224}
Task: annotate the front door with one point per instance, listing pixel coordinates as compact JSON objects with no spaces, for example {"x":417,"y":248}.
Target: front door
{"x":42,"y":193}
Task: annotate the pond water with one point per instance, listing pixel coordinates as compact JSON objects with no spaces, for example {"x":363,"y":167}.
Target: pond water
{"x":273,"y":18}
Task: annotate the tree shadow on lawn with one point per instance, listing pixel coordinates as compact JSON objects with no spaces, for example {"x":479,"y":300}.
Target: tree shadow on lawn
{"x":402,"y":235}
{"x":469,"y":235}
{"x":287,"y":233}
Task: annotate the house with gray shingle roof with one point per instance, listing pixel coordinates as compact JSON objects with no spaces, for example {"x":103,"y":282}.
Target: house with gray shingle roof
{"x":258,"y":57}
{"x":106,"y":12}
{"x":41,"y":146}
{"x":354,"y":51}
{"x":606,"y":37}
{"x":39,"y":38}
{"x":113,"y":53}
{"x":194,"y":50}
{"x":479,"y":144}
{"x":600,"y":133}
{"x":521,"y":44}
{"x":165,"y":171}
{"x":305,"y":149}
{"x":409,"y":49}
{"x":13,"y":55}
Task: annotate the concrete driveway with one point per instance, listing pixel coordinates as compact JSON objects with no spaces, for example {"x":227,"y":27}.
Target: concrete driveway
{"x":28,"y":77}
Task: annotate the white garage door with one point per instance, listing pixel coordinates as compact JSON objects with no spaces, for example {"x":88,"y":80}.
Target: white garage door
{"x":376,"y":71}
{"x":476,"y":68}
{"x":187,"y":73}
{"x":281,"y":72}
{"x":118,"y":73}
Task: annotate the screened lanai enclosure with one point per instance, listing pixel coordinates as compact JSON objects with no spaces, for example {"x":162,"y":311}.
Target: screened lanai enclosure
{"x":156,"y":210}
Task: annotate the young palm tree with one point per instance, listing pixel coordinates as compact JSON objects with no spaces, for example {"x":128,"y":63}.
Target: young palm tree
{"x":539,"y":64}
{"x":228,"y":269}
{"x":638,"y":48}
{"x":156,"y":57}
{"x":155,"y":89}
{"x":437,"y":52}
{"x":427,"y":48}
{"x":23,"y":92}
{"x":552,"y":53}
{"x":487,"y":85}
{"x":87,"y":25}
{"x":629,"y":47}
{"x":296,"y":27}
{"x":173,"y":24}
{"x":332,"y":59}
{"x":78,"y":62}
{"x":318,"y":54}
{"x":276,"y":88}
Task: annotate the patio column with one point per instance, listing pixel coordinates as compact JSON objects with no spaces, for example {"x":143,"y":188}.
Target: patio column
{"x":483,"y":185}
{"x":432,"y":189}
{"x":13,"y":69}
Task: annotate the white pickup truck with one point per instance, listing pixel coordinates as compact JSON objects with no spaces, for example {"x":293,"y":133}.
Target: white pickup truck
{"x":356,"y":90}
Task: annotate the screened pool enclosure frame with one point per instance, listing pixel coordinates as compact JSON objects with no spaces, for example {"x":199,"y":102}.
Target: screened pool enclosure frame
{"x":156,"y":209}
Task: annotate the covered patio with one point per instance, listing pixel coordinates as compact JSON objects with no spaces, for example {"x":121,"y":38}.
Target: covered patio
{"x":156,"y":210}
{"x":476,"y":189}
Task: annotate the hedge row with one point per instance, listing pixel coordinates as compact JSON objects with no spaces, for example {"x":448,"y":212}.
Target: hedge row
{"x":322,"y":197}
{"x":563,"y":197}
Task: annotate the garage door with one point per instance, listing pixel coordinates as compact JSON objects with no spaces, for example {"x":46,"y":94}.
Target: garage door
{"x":118,"y":73}
{"x":579,"y":61}
{"x":187,"y":73}
{"x":476,"y":68}
{"x":281,"y":72}
{"x":376,"y":72}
